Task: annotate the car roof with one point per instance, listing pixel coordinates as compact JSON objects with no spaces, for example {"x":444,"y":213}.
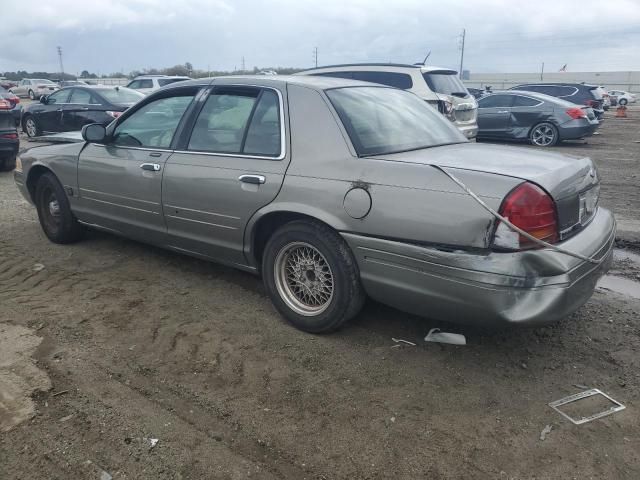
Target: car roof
{"x":310,"y":81}
{"x":527,"y":93}
{"x":418,"y":66}
{"x":139,"y":77}
{"x":557,"y":84}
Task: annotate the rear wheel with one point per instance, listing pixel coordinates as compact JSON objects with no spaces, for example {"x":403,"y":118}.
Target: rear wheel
{"x":623,"y":101}
{"x":31,"y":127}
{"x":32,"y":95}
{"x":312,"y":277}
{"x":54,"y":212}
{"x":544,"y":135}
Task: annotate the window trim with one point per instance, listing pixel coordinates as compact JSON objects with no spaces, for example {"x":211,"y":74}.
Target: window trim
{"x":283,"y":141}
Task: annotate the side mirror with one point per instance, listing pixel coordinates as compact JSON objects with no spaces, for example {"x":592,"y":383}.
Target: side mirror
{"x":44,"y":99}
{"x":94,"y":133}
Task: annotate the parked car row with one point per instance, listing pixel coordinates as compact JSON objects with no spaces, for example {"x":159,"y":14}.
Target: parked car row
{"x":334,"y":190}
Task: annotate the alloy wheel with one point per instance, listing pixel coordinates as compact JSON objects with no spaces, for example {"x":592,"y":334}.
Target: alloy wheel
{"x":51,"y":210}
{"x":543,"y":135}
{"x":303,"y":278}
{"x":31,"y":127}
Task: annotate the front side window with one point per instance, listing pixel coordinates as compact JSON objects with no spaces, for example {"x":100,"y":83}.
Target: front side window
{"x":238,"y":120}
{"x":496,"y":101}
{"x":148,"y":83}
{"x":154,"y":124}
{"x":59,"y":97}
{"x":383,"y":120}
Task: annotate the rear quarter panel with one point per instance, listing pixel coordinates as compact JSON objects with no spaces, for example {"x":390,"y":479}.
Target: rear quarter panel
{"x":409,"y":202}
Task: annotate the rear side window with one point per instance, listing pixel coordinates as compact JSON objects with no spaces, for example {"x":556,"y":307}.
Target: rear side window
{"x":494,"y":101}
{"x":521,"y":101}
{"x":239,"y":121}
{"x":81,"y":96}
{"x":166,"y":81}
{"x":390,"y":79}
{"x":565,"y":91}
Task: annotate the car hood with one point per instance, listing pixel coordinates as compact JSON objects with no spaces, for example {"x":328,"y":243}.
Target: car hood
{"x":63,"y":137}
{"x":561,"y":175}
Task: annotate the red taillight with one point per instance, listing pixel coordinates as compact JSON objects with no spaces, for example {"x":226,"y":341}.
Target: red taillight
{"x":532,"y":209}
{"x":5,"y":104}
{"x":9,"y":136}
{"x":576,"y":113}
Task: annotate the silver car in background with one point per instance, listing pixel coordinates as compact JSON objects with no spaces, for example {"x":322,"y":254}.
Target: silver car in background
{"x":440,"y":87}
{"x":34,"y":88}
{"x":333,"y":190}
{"x":541,"y":119}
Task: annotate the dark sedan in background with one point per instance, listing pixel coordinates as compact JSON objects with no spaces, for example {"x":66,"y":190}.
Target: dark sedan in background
{"x":9,"y":141}
{"x":14,"y":101}
{"x":578,"y":93}
{"x":71,"y":108}
{"x":541,"y":119}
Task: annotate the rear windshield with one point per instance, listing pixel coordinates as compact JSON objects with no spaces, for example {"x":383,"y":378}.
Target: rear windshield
{"x":120,"y":95}
{"x":383,"y":120}
{"x":446,"y":83}
{"x":166,"y":81}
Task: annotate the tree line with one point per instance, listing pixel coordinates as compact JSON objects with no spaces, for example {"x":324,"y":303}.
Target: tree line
{"x":185,"y":70}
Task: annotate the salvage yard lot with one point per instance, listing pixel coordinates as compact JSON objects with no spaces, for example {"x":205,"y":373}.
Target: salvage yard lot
{"x":145,"y":343}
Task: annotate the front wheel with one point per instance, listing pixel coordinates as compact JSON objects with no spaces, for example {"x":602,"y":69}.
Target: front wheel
{"x":312,"y":277}
{"x":32,"y":95}
{"x":623,"y":101}
{"x":544,"y":135}
{"x":31,"y":127}
{"x":54,"y":212}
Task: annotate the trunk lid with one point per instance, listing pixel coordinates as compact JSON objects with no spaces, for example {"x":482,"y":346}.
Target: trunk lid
{"x":568,"y":179}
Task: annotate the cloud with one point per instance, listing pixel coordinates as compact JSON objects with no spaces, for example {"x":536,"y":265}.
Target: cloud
{"x":502,"y":35}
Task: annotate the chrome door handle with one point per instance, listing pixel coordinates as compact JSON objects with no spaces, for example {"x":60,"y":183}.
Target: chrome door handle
{"x":155,"y":154}
{"x":254,"y":179}
{"x":503,"y":111}
{"x":151,"y":167}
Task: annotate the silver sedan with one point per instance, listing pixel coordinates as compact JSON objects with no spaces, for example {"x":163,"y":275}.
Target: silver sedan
{"x":334,"y":190}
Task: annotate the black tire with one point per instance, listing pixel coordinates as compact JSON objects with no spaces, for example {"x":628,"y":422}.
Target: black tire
{"x":32,"y":130}
{"x":32,"y":95}
{"x":8,"y":164}
{"x":544,"y":134}
{"x":623,"y":101}
{"x":335,"y":262}
{"x":56,"y":219}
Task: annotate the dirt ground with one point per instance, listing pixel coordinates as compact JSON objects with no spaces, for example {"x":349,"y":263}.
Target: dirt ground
{"x":142,"y":344}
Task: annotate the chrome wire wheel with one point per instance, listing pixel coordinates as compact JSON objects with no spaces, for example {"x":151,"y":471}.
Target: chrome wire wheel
{"x":31,"y":127}
{"x":543,"y":135}
{"x":303,"y":278}
{"x":51,"y":208}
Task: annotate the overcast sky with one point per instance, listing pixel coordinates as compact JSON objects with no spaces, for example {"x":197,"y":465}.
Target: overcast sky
{"x":105,"y":36}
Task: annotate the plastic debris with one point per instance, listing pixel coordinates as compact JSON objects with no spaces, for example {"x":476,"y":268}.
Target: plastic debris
{"x":105,"y":475}
{"x":67,"y":418}
{"x":545,"y":431}
{"x":580,"y":386}
{"x":37,"y":267}
{"x":435,"y":335}
{"x":153,"y":442}
{"x":400,"y":340}
{"x":615,"y":406}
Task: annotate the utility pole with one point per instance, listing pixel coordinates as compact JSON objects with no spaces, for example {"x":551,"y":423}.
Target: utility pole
{"x":315,"y":56}
{"x":464,"y":33}
{"x":60,"y":58}
{"x":243,"y":69}
{"x":542,"y":72}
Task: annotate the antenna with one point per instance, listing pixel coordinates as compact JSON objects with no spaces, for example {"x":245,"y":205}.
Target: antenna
{"x":424,"y":62}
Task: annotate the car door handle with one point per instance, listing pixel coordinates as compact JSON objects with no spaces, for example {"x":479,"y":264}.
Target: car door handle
{"x":503,"y":111}
{"x":155,"y":154}
{"x":254,"y":179}
{"x":151,"y":167}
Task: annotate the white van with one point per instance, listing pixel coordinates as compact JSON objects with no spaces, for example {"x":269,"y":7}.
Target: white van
{"x":440,"y":87}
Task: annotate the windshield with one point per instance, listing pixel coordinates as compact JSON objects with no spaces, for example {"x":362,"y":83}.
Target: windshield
{"x":383,"y":120}
{"x":446,"y":83}
{"x":120,"y":95}
{"x":166,"y":81}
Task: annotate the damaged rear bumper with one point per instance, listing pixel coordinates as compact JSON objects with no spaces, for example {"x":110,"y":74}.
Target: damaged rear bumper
{"x":533,"y":287}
